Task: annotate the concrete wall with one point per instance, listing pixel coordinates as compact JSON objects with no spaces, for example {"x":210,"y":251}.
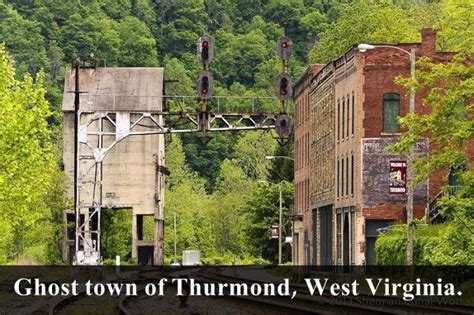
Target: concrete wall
{"x":130,"y":177}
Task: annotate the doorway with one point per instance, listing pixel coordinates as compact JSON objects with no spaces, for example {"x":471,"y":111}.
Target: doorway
{"x":326,"y":235}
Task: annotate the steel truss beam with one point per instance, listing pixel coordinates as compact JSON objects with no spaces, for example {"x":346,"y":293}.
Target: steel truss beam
{"x":100,"y":131}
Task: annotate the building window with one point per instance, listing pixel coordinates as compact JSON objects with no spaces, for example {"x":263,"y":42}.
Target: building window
{"x":391,"y":110}
{"x":343,"y":117}
{"x":307,"y":105}
{"x":347,"y":175}
{"x":338,"y":119}
{"x":352,"y":174}
{"x":339,"y":236}
{"x":353,"y":234}
{"x":307,"y":149}
{"x":348,"y":125}
{"x":298,"y":115}
{"x":342,"y":177}
{"x":305,"y":113}
{"x":353,"y":111}
{"x":338,"y":178}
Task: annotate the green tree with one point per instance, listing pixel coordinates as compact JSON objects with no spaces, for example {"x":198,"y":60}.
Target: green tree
{"x":176,"y":70}
{"x":27,"y":165}
{"x":448,"y":124}
{"x":116,"y":236}
{"x":24,"y":41}
{"x":242,"y":11}
{"x":456,"y":25}
{"x":250,"y":152}
{"x":185,"y":196}
{"x":116,"y":9}
{"x":205,"y":159}
{"x":262,"y":208}
{"x":228,"y":219}
{"x":363,"y":21}
{"x":283,"y":168}
{"x":182,"y":22}
{"x":144,"y":10}
{"x":288,"y":14}
{"x":314,"y":23}
{"x":218,"y":15}
{"x":239,"y":55}
{"x":137,"y":45}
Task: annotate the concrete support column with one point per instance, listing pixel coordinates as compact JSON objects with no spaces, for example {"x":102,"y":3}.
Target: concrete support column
{"x":158,"y":254}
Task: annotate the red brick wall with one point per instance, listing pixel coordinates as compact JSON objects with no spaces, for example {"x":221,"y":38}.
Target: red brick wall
{"x":381,"y":67}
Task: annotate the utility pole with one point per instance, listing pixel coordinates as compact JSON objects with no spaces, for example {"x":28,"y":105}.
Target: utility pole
{"x":77,"y":64}
{"x":271,"y":157}
{"x":410,"y":173}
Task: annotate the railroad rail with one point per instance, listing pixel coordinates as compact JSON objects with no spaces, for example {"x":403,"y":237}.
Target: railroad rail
{"x":303,"y":302}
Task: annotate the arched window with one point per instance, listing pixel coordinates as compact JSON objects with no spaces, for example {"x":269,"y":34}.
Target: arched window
{"x":391,"y":110}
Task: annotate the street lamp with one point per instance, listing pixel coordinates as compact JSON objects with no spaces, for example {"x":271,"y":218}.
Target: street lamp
{"x":363,"y":48}
{"x":280,"y":219}
{"x":272,"y":157}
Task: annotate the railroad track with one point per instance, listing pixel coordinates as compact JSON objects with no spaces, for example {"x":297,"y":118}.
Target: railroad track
{"x":61,"y":304}
{"x":299,"y":305}
{"x":329,"y":304}
{"x":302,"y":303}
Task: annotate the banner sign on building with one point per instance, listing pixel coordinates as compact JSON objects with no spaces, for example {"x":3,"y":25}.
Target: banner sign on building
{"x":398,"y":177}
{"x":274,"y":230}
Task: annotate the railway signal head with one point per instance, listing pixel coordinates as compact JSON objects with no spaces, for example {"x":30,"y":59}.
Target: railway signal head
{"x":283,"y":126}
{"x":205,"y":49}
{"x":284,"y":47}
{"x":205,"y":85}
{"x":283,"y":87}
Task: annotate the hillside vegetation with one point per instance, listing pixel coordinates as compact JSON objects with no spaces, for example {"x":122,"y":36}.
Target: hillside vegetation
{"x":223,"y":207}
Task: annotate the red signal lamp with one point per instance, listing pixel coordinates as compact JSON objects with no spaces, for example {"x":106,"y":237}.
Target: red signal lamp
{"x":205,"y":44}
{"x":284,"y":45}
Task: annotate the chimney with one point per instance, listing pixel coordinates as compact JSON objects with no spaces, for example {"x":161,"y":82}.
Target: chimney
{"x":428,"y":40}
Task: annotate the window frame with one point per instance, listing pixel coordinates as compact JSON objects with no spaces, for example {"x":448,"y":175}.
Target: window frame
{"x":384,"y":100}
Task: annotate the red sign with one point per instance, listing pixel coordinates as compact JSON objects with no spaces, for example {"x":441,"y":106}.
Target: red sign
{"x":398,"y":177}
{"x":274,"y":230}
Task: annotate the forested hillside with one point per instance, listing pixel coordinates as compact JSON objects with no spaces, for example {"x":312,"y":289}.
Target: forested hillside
{"x":224,"y":207}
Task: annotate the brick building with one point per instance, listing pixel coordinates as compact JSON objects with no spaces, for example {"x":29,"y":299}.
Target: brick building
{"x":346,"y":115}
{"x":300,"y":232}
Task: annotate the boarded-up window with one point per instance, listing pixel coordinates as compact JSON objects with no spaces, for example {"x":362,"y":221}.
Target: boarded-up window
{"x":391,"y":110}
